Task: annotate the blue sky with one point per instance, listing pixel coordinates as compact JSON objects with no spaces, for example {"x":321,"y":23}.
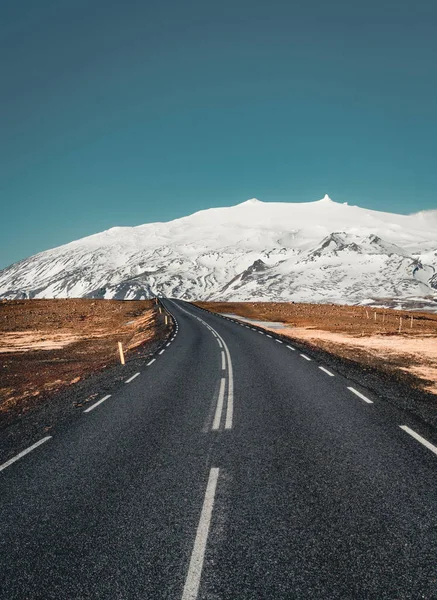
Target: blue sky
{"x":122,"y":113}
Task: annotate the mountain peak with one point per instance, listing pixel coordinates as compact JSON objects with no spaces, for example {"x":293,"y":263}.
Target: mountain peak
{"x":251,"y":202}
{"x":279,"y":251}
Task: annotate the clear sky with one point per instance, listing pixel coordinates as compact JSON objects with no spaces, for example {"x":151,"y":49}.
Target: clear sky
{"x":122,"y":112}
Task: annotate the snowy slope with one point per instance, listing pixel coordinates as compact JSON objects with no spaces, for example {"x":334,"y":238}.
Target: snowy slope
{"x":319,"y":251}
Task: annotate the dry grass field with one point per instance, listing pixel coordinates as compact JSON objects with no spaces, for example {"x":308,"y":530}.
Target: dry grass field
{"x":46,"y":345}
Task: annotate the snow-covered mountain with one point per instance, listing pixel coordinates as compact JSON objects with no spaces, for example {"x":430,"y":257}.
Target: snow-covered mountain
{"x":318,"y":252}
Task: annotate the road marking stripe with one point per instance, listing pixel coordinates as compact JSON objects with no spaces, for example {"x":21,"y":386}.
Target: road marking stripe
{"x":131,"y":378}
{"x":279,"y":341}
{"x":24,"y":452}
{"x":97,"y":404}
{"x":230,"y":403}
{"x":291,"y":348}
{"x":223,"y":361}
{"x":168,"y":344}
{"x":268,"y":335}
{"x":305,"y":357}
{"x":419,"y":438}
{"x":219,"y":343}
{"x":150,"y":362}
{"x":219,"y":407}
{"x":357,"y":393}
{"x":162,"y":351}
{"x":326,"y":371}
{"x":192,"y":582}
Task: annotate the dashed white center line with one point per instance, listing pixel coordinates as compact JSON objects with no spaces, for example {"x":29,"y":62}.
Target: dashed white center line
{"x":219,"y":407}
{"x":162,"y":351}
{"x":151,"y":362}
{"x":24,"y":452}
{"x":97,"y":404}
{"x":326,"y":371}
{"x":291,"y":348}
{"x":360,"y":395}
{"x":168,"y":344}
{"x":268,"y":335}
{"x":192,"y":582}
{"x":419,"y":438}
{"x":219,"y":343}
{"x":279,"y":341}
{"x":305,"y":357}
{"x":230,"y":390}
{"x":223,"y":361}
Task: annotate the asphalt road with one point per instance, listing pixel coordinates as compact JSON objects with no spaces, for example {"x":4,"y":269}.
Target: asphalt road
{"x":230,"y":468}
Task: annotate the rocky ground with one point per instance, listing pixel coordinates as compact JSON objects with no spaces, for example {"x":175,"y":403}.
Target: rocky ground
{"x":49,"y":345}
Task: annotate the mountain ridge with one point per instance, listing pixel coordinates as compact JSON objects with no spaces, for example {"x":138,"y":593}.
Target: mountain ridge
{"x":320,"y":251}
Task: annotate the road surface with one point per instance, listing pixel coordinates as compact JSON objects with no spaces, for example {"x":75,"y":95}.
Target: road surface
{"x":232,"y":467}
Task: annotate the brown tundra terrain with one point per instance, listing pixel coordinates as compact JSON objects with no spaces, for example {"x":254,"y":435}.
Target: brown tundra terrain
{"x":46,"y":345}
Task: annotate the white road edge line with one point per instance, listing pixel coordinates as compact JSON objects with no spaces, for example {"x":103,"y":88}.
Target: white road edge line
{"x":326,"y":371}
{"x":291,"y":348}
{"x":219,"y":407}
{"x":24,"y":452}
{"x":357,"y":393}
{"x":419,"y":438}
{"x":192,"y":582}
{"x":132,"y":378}
{"x":279,"y":341}
{"x":150,"y":362}
{"x":168,"y":344}
{"x":97,"y":404}
{"x":305,"y":357}
{"x":268,"y":335}
{"x":162,"y":351}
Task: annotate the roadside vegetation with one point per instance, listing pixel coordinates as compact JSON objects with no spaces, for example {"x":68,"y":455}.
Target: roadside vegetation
{"x":47,"y":345}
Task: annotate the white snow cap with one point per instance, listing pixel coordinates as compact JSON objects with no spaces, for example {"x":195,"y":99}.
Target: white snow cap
{"x":252,"y":201}
{"x":323,"y":251}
